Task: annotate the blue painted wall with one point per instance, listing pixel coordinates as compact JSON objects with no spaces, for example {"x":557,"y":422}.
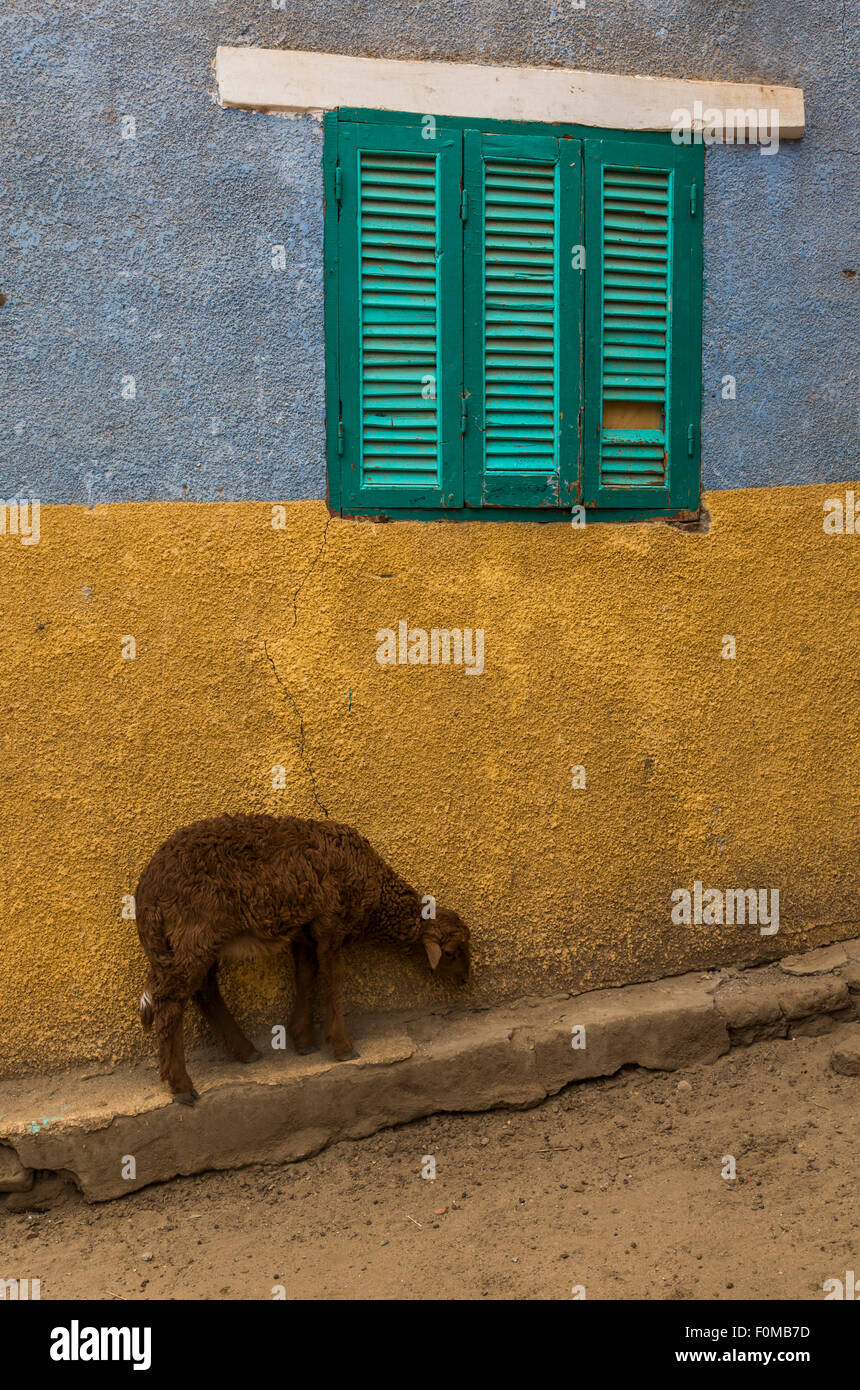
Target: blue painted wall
{"x":151,"y":257}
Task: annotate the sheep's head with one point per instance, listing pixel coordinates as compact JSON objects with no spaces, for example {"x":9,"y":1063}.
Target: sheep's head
{"x":446,"y":941}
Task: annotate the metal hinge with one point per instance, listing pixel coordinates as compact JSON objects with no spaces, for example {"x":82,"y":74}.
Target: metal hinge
{"x":691,"y":439}
{"x":693,"y":198}
{"x":463,"y":415}
{"x":340,"y":436}
{"x":338,"y":184}
{"x":464,"y":205}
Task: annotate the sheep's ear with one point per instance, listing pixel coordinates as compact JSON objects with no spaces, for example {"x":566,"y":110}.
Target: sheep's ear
{"x":434,"y":951}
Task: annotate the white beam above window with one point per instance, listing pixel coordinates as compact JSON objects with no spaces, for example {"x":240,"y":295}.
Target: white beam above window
{"x":289,"y":82}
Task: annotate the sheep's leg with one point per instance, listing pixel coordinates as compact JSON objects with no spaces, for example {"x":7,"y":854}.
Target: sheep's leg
{"x":171,"y":1049}
{"x":211,"y":1004}
{"x":331,"y":973}
{"x":301,"y":1027}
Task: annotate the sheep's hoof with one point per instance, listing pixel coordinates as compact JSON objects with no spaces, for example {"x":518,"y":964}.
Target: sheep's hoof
{"x":348,"y":1056}
{"x":252,"y":1057}
{"x":304,"y":1051}
{"x":187,"y":1097}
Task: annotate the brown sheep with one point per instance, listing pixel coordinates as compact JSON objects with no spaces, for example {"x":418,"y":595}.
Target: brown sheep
{"x":236,"y":887}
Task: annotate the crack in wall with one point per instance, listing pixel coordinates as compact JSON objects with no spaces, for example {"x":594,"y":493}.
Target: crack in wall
{"x":288,"y":694}
{"x":311,"y":567}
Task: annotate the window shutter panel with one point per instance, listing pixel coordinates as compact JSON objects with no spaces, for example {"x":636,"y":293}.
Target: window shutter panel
{"x":523,"y":318}
{"x":643,"y":324}
{"x":400,"y":317}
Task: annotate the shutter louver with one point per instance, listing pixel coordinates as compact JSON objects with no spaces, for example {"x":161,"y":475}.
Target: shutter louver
{"x":636,"y":309}
{"x":520,"y":309}
{"x":400,"y":246}
{"x":642,"y":324}
{"x":399,"y":328}
{"x":523,"y":317}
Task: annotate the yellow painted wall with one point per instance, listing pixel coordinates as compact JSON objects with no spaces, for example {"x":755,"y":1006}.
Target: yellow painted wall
{"x":257,"y":647}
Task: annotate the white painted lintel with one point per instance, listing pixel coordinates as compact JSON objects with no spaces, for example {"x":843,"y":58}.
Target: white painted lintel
{"x":290,"y":82}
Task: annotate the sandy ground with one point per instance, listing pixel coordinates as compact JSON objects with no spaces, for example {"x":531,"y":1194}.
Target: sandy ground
{"x":612,"y":1185}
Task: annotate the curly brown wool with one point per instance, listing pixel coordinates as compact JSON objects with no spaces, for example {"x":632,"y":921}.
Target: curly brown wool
{"x":241,"y":886}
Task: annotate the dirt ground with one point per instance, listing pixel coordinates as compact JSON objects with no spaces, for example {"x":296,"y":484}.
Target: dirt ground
{"x":613,"y":1185}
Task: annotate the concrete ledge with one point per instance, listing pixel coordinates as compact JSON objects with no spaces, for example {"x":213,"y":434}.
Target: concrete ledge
{"x":88,"y":1125}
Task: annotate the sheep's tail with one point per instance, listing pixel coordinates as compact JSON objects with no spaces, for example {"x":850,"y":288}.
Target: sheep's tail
{"x":153,"y":938}
{"x":147,"y":1006}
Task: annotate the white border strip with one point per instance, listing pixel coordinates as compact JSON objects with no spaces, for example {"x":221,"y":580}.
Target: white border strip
{"x":291,"y":82}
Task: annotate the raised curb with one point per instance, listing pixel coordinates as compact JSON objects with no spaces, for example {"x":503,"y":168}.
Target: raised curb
{"x":87,"y":1125}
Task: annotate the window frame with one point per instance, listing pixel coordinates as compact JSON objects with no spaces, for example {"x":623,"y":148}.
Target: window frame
{"x":686,"y":358}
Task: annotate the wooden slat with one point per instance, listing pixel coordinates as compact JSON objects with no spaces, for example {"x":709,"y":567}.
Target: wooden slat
{"x":635,"y":354}
{"x":520,"y":218}
{"x":277,"y":79}
{"x":397,"y":235}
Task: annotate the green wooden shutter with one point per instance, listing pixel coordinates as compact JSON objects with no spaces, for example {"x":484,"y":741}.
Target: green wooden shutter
{"x":643,"y":324}
{"x":400,"y":317}
{"x":523,"y":317}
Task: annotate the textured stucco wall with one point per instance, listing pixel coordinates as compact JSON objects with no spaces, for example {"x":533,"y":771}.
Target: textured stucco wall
{"x":256,"y":647}
{"x":151,"y":257}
